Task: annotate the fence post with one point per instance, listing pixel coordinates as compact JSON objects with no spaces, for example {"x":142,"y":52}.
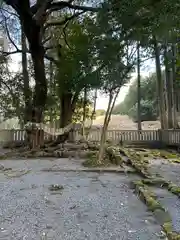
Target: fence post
{"x":160,"y":136}
{"x":12,"y":135}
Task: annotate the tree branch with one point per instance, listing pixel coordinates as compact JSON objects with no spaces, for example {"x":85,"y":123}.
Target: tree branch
{"x":60,"y":23}
{"x":46,"y":40}
{"x":9,"y":53}
{"x":60,"y":5}
{"x":41,"y":14}
{"x":52,"y":47}
{"x":9,"y":12}
{"x":51,"y":59}
{"x":8,"y":34}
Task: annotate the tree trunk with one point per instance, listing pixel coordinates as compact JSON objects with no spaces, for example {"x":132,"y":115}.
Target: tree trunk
{"x":66,"y":114}
{"x":160,"y":86}
{"x":174,"y":88}
{"x":51,"y":90}
{"x":168,"y":88}
{"x":138,"y":88}
{"x":33,"y":33}
{"x":107,"y":119}
{"x":84,"y":111}
{"x":104,"y":131}
{"x":26,"y":91}
{"x":93,"y":113}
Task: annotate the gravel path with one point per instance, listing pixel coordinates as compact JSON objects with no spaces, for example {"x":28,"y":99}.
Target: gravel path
{"x":171,"y":203}
{"x":91,"y":206}
{"x":170,"y":171}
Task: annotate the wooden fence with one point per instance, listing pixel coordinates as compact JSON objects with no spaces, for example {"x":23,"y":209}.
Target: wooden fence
{"x":171,"y":137}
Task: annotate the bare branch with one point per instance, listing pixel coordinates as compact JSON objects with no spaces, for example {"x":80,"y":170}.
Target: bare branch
{"x":64,"y":33}
{"x":9,"y":12}
{"x":51,"y":59}
{"x":46,"y":40}
{"x":60,"y":5}
{"x":9,"y":37}
{"x":7,"y":31}
{"x":9,"y":53}
{"x":60,"y":23}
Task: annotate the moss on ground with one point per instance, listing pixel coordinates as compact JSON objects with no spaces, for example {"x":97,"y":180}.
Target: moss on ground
{"x":137,"y":161}
{"x":175,"y":160}
{"x":150,"y":199}
{"x":172,"y":157}
{"x":160,"y":182}
{"x":114,"y":156}
{"x":2,"y":157}
{"x":140,"y":164}
{"x":92,"y":161}
{"x":173,"y":188}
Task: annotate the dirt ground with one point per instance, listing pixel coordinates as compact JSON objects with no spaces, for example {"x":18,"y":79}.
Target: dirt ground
{"x":123,"y":122}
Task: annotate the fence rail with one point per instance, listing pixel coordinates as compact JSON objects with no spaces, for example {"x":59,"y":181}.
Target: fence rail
{"x":127,"y":136}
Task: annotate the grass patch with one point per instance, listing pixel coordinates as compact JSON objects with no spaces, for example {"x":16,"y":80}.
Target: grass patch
{"x":2,"y":157}
{"x":164,"y":154}
{"x":92,"y":161}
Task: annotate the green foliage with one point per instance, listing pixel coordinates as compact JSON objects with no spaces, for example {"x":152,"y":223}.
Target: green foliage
{"x":78,"y":113}
{"x":76,"y":68}
{"x":149,"y":109}
{"x":96,"y":53}
{"x":145,"y":18}
{"x":11,"y":96}
{"x":148,"y":113}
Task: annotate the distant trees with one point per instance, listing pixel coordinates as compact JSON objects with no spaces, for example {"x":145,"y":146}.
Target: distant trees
{"x":149,"y":108}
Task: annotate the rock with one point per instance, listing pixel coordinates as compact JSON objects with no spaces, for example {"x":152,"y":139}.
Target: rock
{"x":52,"y":149}
{"x":162,"y":216}
{"x":83,"y":154}
{"x":58,"y":153}
{"x":74,"y":146}
{"x":1,"y":167}
{"x":56,"y":187}
{"x":70,"y":153}
{"x":93,"y":146}
{"x":42,"y":154}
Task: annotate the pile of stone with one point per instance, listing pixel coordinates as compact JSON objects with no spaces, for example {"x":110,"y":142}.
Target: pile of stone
{"x":80,"y":149}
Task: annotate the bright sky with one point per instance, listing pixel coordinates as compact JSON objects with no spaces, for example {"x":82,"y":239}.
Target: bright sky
{"x":102,"y":101}
{"x":146,"y":70}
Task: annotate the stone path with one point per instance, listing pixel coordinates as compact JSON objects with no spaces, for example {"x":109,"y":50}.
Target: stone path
{"x":170,"y":171}
{"x":91,"y":206}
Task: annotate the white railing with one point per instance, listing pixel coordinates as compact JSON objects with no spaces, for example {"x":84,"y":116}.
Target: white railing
{"x":166,"y":136}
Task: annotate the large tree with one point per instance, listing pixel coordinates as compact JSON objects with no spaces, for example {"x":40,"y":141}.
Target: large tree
{"x":34,"y":18}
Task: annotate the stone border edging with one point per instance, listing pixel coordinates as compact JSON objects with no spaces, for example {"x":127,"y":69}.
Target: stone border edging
{"x":150,"y":199}
{"x":98,"y":170}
